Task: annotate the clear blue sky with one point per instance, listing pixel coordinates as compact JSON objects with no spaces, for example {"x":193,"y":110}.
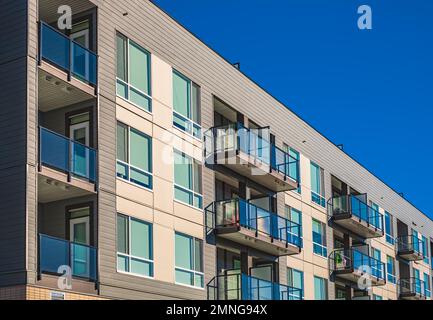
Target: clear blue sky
{"x":369,"y":90}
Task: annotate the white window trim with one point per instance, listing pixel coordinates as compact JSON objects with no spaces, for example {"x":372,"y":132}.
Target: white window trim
{"x":190,"y":103}
{"x":128,"y":83}
{"x":182,"y":187}
{"x":129,"y":255}
{"x":129,"y":157}
{"x":194,"y":272}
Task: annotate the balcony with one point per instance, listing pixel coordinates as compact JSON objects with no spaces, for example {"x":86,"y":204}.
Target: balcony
{"x":352,"y":264}
{"x":409,"y":247}
{"x":244,"y":223}
{"x":246,"y":153}
{"x":67,"y":168}
{"x":55,"y":255}
{"x":411,"y":289}
{"x":356,"y":216}
{"x":239,"y":286}
{"x":66,"y":59}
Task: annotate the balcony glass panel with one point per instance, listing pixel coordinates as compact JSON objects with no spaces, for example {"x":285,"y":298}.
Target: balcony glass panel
{"x":61,"y":153}
{"x":351,"y":204}
{"x":237,"y":286}
{"x":58,"y":49}
{"x":239,"y":211}
{"x":57,"y":254}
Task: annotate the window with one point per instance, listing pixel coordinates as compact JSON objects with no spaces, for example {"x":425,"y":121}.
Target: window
{"x":390,"y":269}
{"x":134,"y":246}
{"x":188,"y":260}
{"x":376,"y":264}
{"x":320,"y":289}
{"x":389,"y":230}
{"x":295,"y":279}
{"x":319,"y":238}
{"x":295,"y":216}
{"x":416,"y":241}
{"x":133,"y":73}
{"x":425,"y":250}
{"x":377,"y":297}
{"x":418,"y":283}
{"x":317,"y":185}
{"x":187,"y":180}
{"x":186,"y":105}
{"x":427,"y":285}
{"x":294,"y":167}
{"x":134,"y":156}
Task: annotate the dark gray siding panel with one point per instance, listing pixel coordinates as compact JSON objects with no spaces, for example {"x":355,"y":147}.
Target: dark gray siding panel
{"x":13,"y":75}
{"x":13,"y":26}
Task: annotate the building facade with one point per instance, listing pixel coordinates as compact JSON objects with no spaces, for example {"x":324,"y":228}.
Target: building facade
{"x":137,"y":163}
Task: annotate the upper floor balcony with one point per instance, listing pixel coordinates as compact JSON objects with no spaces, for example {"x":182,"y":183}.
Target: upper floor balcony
{"x":411,"y":289}
{"x":353,"y":214}
{"x":247,"y":153}
{"x":58,"y":256}
{"x":247,"y":224}
{"x":67,"y":168}
{"x":352,"y":264}
{"x":409,"y":247}
{"x":239,"y":286}
{"x":71,"y":58}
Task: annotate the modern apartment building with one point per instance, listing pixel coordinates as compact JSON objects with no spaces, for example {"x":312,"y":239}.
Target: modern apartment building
{"x":141,"y":163}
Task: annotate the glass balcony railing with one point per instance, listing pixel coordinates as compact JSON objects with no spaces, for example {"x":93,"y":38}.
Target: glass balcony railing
{"x":240,"y":212}
{"x":56,"y":255}
{"x":411,"y":286}
{"x":58,"y":49}
{"x":350,"y":204}
{"x":239,"y":286}
{"x":356,"y":261}
{"x":66,"y":155}
{"x":409,"y":243}
{"x":236,"y":137}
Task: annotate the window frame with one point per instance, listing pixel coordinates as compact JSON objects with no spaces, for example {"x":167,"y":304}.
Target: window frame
{"x":318,"y":198}
{"x":427,"y":287}
{"x":127,"y":84}
{"x":390,"y":276}
{"x":127,"y":164}
{"x":322,"y":246}
{"x":128,"y":255}
{"x":389,"y":237}
{"x":324,"y":283}
{"x":182,"y":188}
{"x":193,"y":271}
{"x":291,"y":271}
{"x":193,"y":124}
{"x":289,"y":150}
{"x":425,"y":249}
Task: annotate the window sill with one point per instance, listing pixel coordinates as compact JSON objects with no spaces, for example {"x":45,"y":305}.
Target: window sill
{"x":134,"y":184}
{"x":189,"y":286}
{"x":188,"y":134}
{"x":188,"y":205}
{"x":135,"y":275}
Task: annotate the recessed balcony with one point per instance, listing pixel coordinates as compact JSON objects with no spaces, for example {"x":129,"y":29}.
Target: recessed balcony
{"x":352,"y":264}
{"x":239,"y":286}
{"x":354,"y":215}
{"x":67,"y":168}
{"x":409,"y":247}
{"x":247,"y":224}
{"x":55,"y":255}
{"x":411,"y":289}
{"x":66,"y":61}
{"x":245,"y":152}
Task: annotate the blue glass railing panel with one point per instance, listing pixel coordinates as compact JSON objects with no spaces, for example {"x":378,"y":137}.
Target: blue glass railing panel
{"x":58,"y":49}
{"x":61,"y":153}
{"x":56,"y":254}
